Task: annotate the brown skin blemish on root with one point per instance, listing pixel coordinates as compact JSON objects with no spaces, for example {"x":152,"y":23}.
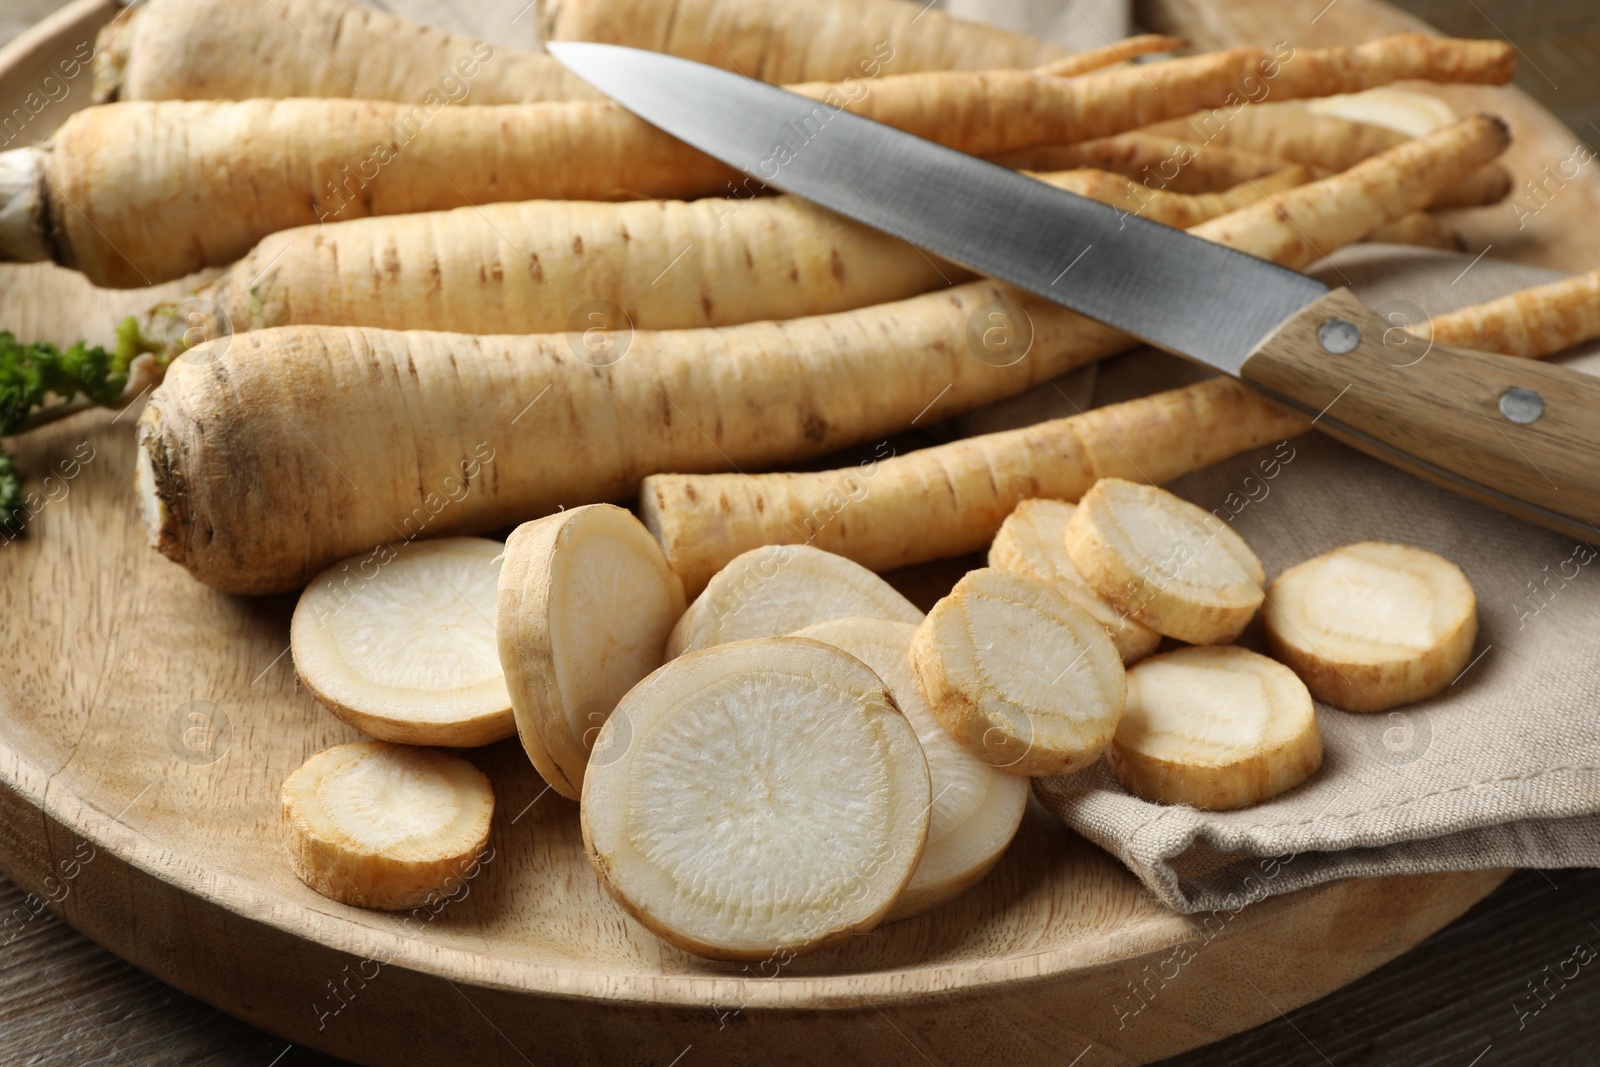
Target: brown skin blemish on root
{"x":577,"y":246}
{"x":836,"y":265}
{"x":815,"y":428}
{"x":689,"y":494}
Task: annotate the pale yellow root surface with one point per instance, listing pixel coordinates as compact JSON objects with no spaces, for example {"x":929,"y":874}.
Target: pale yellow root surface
{"x":1118,"y":52}
{"x":386,"y":826}
{"x":1173,"y":566}
{"x":757,"y":798}
{"x":1032,"y":541}
{"x":1293,"y":131}
{"x":245,"y":49}
{"x":1298,"y":227}
{"x":1156,"y":160}
{"x":822,"y":40}
{"x":1372,"y":626}
{"x":950,"y":499}
{"x":778,"y":589}
{"x":399,"y":642}
{"x":518,"y":426}
{"x":976,"y":808}
{"x":1023,"y":678}
{"x":586,"y":601}
{"x":1532,"y":323}
{"x":546,"y":266}
{"x":1215,"y":728}
{"x":1419,"y":229}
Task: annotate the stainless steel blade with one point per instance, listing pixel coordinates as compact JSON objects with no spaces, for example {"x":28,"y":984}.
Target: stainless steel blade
{"x":1174,"y":291}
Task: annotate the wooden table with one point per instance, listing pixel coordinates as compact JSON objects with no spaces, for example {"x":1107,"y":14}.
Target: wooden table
{"x":1461,"y":998}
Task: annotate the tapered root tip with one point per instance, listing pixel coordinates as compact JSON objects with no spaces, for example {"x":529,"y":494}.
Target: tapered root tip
{"x":1501,"y":126}
{"x":24,"y":234}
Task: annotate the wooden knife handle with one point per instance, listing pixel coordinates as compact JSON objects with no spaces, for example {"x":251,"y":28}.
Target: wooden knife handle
{"x":1519,"y":435}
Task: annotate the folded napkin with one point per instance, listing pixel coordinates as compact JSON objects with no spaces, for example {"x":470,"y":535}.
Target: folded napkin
{"x":1502,"y":769}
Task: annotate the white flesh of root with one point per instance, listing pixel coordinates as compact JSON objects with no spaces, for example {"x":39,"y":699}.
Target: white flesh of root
{"x":757,"y":798}
{"x":1021,"y":676}
{"x":976,"y":809}
{"x":400,"y":643}
{"x":1371,"y":626}
{"x":1406,"y":110}
{"x":1032,"y":541}
{"x":1171,"y":565}
{"x":586,"y":602}
{"x":1215,"y":728}
{"x":386,"y":826}
{"x":778,"y":589}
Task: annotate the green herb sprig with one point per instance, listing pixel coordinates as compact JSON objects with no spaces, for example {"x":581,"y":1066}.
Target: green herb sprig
{"x":40,"y":383}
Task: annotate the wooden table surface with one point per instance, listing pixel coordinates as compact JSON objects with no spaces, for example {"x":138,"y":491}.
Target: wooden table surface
{"x":1465,"y":997}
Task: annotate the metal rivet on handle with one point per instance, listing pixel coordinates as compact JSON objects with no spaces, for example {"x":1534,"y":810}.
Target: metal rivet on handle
{"x":1521,"y":406}
{"x":1339,"y":336}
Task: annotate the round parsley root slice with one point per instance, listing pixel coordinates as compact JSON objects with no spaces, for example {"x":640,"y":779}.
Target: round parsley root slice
{"x":1032,"y":541}
{"x":758,"y":797}
{"x":1171,"y":565}
{"x":1215,"y":728}
{"x":586,"y":602}
{"x":1371,"y":626}
{"x":778,"y":589}
{"x":976,"y":808}
{"x":1021,"y":676}
{"x":400,"y":643}
{"x":385,"y":826}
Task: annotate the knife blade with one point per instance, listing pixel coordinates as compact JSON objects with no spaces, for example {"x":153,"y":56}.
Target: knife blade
{"x":1505,"y":433}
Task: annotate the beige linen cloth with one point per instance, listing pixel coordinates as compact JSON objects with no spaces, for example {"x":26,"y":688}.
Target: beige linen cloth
{"x":1502,"y":769}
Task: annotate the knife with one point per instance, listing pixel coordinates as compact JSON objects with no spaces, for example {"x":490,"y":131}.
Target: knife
{"x":1521,"y":436}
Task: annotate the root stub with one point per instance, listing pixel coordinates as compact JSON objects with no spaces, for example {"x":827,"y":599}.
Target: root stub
{"x":1023,"y":678}
{"x":386,"y":826}
{"x":976,"y":808}
{"x":757,"y":798}
{"x":1371,"y":626}
{"x":400,"y":643}
{"x":1215,"y":728}
{"x":1171,"y":565}
{"x":586,"y":602}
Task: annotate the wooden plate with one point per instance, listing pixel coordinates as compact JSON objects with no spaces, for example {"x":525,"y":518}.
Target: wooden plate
{"x":147,"y":722}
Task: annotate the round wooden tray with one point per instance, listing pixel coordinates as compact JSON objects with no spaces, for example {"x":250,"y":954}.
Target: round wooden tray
{"x":147,"y":722}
